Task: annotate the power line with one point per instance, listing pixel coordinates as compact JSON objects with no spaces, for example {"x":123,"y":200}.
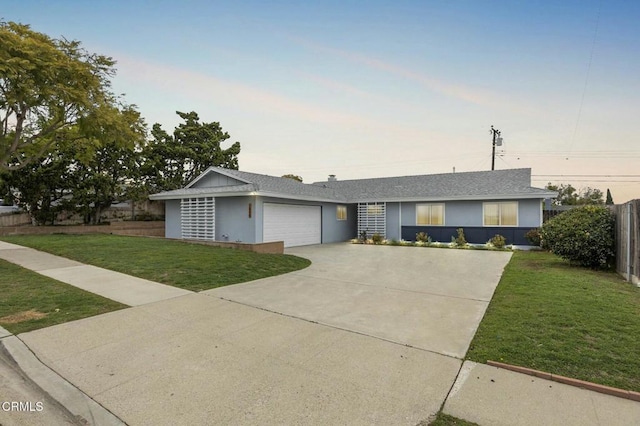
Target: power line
{"x":586,"y":79}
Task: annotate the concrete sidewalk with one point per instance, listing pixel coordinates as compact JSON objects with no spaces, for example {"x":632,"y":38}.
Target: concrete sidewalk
{"x":493,"y":396}
{"x":113,"y":285}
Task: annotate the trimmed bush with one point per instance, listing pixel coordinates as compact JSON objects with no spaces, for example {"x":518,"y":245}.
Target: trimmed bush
{"x":498,"y":241}
{"x":534,"y":237}
{"x":583,"y":236}
{"x":377,"y":239}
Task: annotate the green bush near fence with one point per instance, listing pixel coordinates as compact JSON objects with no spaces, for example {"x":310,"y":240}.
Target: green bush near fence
{"x":584,"y":236}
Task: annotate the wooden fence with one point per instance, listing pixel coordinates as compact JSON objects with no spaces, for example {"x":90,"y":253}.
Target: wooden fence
{"x":628,"y":240}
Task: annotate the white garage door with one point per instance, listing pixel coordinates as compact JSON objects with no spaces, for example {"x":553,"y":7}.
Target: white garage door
{"x":295,"y":225}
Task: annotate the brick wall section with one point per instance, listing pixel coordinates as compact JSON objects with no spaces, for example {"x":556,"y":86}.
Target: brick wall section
{"x":147,"y":229}
{"x":276,"y":247}
{"x":144,"y":229}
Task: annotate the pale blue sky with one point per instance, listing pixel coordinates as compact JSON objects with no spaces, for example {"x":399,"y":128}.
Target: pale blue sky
{"x":372,"y":88}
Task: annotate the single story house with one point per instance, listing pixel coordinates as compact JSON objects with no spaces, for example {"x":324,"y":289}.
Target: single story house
{"x":236,"y":206}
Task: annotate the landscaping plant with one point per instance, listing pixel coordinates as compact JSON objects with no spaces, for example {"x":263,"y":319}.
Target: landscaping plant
{"x":498,"y":241}
{"x":377,"y":239}
{"x":422,"y":237}
{"x":534,"y":237}
{"x":583,"y":236}
{"x":460,"y":240}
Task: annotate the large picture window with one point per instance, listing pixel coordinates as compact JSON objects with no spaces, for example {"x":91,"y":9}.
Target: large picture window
{"x":430,"y":214}
{"x":501,"y":214}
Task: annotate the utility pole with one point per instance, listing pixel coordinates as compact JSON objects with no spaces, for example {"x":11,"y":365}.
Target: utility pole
{"x":495,"y":133}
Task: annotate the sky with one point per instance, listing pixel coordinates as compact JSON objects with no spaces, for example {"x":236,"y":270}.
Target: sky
{"x":373,"y":88}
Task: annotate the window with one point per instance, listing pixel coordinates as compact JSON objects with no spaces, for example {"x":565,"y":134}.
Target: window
{"x":501,"y":214}
{"x":429,"y":214}
{"x":341,"y":212}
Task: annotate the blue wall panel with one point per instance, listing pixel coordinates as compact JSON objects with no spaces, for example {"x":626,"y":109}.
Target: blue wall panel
{"x":473,"y":234}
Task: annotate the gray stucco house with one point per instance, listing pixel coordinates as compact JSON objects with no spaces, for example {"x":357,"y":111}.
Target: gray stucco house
{"x":231,"y":205}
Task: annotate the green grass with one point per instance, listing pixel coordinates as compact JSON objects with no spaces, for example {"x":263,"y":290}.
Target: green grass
{"x":29,"y":301}
{"x":447,"y":420}
{"x":565,"y":320}
{"x":190,"y":266}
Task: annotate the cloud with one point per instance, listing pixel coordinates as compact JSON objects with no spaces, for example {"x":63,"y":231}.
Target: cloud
{"x":457,"y":91}
{"x":205,"y":86}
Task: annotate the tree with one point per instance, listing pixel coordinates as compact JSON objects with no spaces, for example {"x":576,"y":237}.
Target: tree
{"x":109,"y":175}
{"x":39,"y":187}
{"x":591,"y":196}
{"x":51,"y":90}
{"x":79,"y":177}
{"x":292,"y":176}
{"x":171,"y":161}
{"x":569,"y":196}
{"x":609,"y":201}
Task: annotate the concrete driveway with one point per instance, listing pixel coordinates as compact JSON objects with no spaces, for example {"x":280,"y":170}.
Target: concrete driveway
{"x":326,"y":345}
{"x":431,"y":299}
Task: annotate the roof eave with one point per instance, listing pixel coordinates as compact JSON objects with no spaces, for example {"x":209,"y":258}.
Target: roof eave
{"x":168,"y":196}
{"x":457,"y":198}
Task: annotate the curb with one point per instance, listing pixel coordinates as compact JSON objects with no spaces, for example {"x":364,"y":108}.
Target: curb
{"x":71,"y":399}
{"x":607,"y":390}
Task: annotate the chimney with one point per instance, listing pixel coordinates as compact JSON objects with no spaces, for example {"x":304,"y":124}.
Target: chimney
{"x":332,"y":178}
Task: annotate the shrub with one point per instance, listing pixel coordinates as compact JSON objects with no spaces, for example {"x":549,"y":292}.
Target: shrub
{"x":498,"y":241}
{"x":534,"y":237}
{"x":584,"y":236}
{"x":363,"y":237}
{"x":422,"y":237}
{"x":377,"y":239}
{"x":460,"y":240}
{"x":394,"y":242}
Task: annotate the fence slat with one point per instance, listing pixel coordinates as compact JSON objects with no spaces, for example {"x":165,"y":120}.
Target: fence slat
{"x":628,"y":240}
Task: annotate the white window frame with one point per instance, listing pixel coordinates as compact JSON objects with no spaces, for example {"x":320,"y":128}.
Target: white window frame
{"x":341,"y":212}
{"x":500,"y":204}
{"x":430,"y":205}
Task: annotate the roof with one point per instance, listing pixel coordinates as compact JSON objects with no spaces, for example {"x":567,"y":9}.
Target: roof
{"x":257,"y":184}
{"x":498,"y":184}
{"x":505,"y":184}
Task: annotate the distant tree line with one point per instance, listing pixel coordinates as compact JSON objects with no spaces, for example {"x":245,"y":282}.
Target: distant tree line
{"x":570,"y":196}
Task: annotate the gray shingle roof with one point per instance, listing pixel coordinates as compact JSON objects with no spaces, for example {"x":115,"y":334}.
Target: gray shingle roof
{"x":286,"y":186}
{"x":264,"y":184}
{"x":466,"y":185}
{"x":514,"y":183}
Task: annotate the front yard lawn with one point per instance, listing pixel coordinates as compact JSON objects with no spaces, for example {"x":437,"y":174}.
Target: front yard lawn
{"x":189,"y":266}
{"x":564,"y":320}
{"x":29,"y":301}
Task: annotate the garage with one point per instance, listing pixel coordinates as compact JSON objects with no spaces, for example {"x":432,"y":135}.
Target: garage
{"x":296,"y":225}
